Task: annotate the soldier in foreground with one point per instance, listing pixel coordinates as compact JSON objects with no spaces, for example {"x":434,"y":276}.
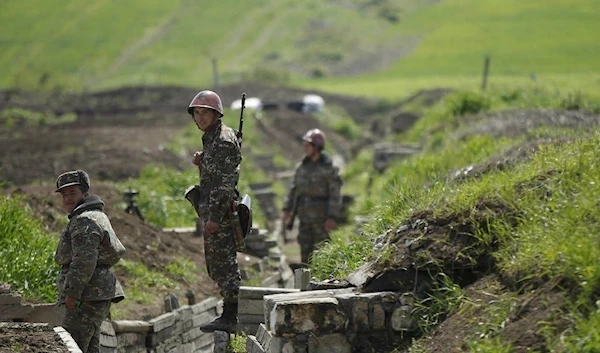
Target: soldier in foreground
{"x":314,"y":195}
{"x":87,"y":249}
{"x":218,"y":165}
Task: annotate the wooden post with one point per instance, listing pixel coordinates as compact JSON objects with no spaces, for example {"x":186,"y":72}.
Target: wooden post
{"x":215,"y":74}
{"x":486,"y":70}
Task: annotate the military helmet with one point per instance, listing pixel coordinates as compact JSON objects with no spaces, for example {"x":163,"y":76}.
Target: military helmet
{"x":206,"y":99}
{"x":316,"y":137}
{"x":74,"y":177}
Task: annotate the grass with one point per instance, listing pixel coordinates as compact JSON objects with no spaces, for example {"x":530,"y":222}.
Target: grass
{"x":554,"y":192}
{"x":141,"y":279}
{"x":306,"y":44}
{"x":27,"y":252}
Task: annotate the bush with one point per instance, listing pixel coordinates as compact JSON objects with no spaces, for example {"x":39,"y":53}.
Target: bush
{"x":27,"y":252}
{"x":466,"y":103}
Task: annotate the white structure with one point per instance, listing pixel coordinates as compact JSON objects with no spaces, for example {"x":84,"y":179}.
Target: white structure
{"x":312,"y":103}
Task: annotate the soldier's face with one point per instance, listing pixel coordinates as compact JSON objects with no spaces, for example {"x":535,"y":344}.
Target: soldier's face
{"x":309,"y":149}
{"x":204,"y":117}
{"x":71,"y":196}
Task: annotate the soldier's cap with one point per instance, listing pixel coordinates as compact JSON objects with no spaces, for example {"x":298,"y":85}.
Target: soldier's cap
{"x":74,"y":177}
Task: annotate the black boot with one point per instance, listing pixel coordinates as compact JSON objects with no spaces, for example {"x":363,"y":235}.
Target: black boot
{"x":226,"y":322}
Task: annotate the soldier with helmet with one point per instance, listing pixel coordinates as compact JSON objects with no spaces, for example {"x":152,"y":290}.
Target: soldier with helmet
{"x":218,"y":165}
{"x":314,"y":195}
{"x":87,"y":249}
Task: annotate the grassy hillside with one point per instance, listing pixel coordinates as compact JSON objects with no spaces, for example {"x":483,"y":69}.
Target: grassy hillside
{"x":384,"y":48}
{"x":516,"y":193}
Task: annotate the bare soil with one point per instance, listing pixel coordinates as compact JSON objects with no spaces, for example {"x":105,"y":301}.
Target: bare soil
{"x":28,"y":338}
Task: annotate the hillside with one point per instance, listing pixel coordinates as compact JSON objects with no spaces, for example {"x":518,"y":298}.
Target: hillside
{"x":380,"y":48}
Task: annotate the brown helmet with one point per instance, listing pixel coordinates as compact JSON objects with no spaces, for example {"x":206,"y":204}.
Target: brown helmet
{"x":316,"y":137}
{"x":206,"y":99}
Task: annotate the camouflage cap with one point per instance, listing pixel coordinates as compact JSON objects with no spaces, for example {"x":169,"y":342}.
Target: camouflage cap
{"x":74,"y":177}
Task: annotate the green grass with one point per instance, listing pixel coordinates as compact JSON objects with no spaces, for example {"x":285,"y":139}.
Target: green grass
{"x":74,"y":45}
{"x":140,"y":278}
{"x":27,"y":252}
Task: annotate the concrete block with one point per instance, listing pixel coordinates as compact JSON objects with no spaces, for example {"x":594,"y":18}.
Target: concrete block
{"x":251,"y":319}
{"x":121,"y":326}
{"x":334,"y":343}
{"x":319,"y":315}
{"x":247,"y":328}
{"x":15,"y":311}
{"x":263,"y":335}
{"x":250,"y":306}
{"x":253,"y":346}
{"x":360,"y":316}
{"x":131,"y":339}
{"x":47,"y":313}
{"x":201,"y":319}
{"x":9,"y":299}
{"x":108,"y":341}
{"x":377,"y":321}
{"x":221,"y":341}
{"x":301,"y":278}
{"x":205,"y":305}
{"x":271,"y":300}
{"x":163,"y":321}
{"x":257,"y":293}
{"x":402,"y":318}
{"x":204,"y":340}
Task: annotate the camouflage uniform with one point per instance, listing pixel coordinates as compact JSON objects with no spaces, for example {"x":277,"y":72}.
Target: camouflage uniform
{"x":219,"y":175}
{"x":88,"y":247}
{"x":315,"y":192}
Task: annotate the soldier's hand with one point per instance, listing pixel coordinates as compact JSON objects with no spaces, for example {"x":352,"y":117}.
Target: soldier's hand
{"x":330,"y":225}
{"x":70,"y":302}
{"x":211,"y":227}
{"x":197,"y":158}
{"x":286,"y":217}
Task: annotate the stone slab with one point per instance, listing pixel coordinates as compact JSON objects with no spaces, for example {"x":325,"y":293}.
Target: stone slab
{"x":257,"y":293}
{"x":317,"y":315}
{"x":250,"y":307}
{"x":131,"y":326}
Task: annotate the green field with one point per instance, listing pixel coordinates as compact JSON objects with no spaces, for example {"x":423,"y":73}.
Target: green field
{"x":384,"y":48}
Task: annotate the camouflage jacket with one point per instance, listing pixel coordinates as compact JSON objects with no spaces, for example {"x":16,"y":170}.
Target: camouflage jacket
{"x":315,"y":190}
{"x":87,"y":248}
{"x":219,"y":172}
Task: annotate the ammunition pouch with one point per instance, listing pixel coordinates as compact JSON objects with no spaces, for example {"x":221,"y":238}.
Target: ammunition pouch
{"x":241,"y":221}
{"x":192,"y":194}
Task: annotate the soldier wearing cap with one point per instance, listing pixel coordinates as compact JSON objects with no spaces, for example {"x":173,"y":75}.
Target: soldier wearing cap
{"x":87,"y":249}
{"x":314,"y":195}
{"x":218,"y":165}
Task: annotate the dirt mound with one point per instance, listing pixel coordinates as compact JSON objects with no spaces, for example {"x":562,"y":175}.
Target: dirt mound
{"x":529,"y":313}
{"x":517,"y":122}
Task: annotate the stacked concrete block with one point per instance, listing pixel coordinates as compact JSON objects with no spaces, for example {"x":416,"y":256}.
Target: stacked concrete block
{"x":251,"y":306}
{"x":11,"y":308}
{"x":337,"y":320}
{"x":258,"y":242}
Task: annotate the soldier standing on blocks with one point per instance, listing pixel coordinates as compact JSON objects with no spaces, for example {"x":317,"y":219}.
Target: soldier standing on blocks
{"x":314,"y":195}
{"x":218,"y":164}
{"x":87,"y":249}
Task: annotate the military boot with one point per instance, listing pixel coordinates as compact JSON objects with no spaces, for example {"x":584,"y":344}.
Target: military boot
{"x":226,"y":322}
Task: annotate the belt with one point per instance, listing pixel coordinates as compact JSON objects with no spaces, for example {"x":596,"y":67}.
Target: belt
{"x":66,"y":267}
{"x":311,"y":199}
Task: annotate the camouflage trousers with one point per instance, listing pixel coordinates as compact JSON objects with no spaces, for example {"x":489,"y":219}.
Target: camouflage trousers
{"x":83,"y":323}
{"x":309,"y":235}
{"x":221,"y":261}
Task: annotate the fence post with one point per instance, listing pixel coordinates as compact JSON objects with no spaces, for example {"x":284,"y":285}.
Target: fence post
{"x":486,"y":70}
